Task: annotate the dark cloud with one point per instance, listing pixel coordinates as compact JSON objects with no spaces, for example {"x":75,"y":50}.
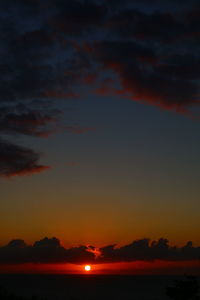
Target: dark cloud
{"x":53,"y":242}
{"x":51,"y":251}
{"x":161,"y":27}
{"x":17,"y":243}
{"x":149,"y":5}
{"x":127,"y":52}
{"x":143,"y":78}
{"x":37,"y":64}
{"x":77,"y":17}
{"x":150,"y":251}
{"x":17,"y":160}
{"x":49,"y":48}
{"x":43,"y":251}
{"x":19,"y":119}
{"x":184,"y":67}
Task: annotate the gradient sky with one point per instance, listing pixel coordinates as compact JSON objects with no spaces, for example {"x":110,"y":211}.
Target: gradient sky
{"x":135,"y":178}
{"x":114,"y":115}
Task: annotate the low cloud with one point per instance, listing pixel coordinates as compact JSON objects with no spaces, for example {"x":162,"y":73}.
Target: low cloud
{"x":50,"y":250}
{"x":145,"y":250}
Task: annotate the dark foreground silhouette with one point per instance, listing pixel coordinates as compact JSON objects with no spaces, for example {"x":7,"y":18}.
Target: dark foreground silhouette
{"x":6,"y":295}
{"x":186,"y":289}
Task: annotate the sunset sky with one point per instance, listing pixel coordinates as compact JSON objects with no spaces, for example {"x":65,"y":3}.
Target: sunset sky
{"x":100,"y":131}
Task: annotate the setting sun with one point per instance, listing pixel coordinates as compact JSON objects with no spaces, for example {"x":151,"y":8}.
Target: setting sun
{"x":87,"y":268}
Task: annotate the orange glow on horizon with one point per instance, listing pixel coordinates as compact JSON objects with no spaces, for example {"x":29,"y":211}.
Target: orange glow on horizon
{"x":128,"y":268}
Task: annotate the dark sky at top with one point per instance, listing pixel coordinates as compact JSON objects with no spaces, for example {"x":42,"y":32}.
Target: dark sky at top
{"x":143,"y":51}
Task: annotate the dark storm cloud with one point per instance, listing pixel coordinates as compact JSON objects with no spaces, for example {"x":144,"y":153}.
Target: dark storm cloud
{"x":51,"y":251}
{"x":51,"y":47}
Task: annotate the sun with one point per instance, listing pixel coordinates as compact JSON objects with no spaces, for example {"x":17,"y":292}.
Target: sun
{"x":87,"y":268}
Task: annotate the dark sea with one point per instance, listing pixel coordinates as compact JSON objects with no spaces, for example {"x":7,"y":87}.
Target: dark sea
{"x":88,"y":287}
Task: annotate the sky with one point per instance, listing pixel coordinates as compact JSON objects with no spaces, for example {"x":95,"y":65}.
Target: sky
{"x":99,"y":133}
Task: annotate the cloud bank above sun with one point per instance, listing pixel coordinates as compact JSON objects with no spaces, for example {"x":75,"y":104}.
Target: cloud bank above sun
{"x":50,"y":250}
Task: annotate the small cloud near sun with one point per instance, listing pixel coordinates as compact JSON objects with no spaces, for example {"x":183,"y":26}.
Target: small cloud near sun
{"x":95,"y":250}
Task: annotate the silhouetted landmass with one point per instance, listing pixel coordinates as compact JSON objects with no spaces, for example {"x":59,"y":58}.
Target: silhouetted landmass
{"x":182,"y":289}
{"x":186,"y":289}
{"x":6,"y":295}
